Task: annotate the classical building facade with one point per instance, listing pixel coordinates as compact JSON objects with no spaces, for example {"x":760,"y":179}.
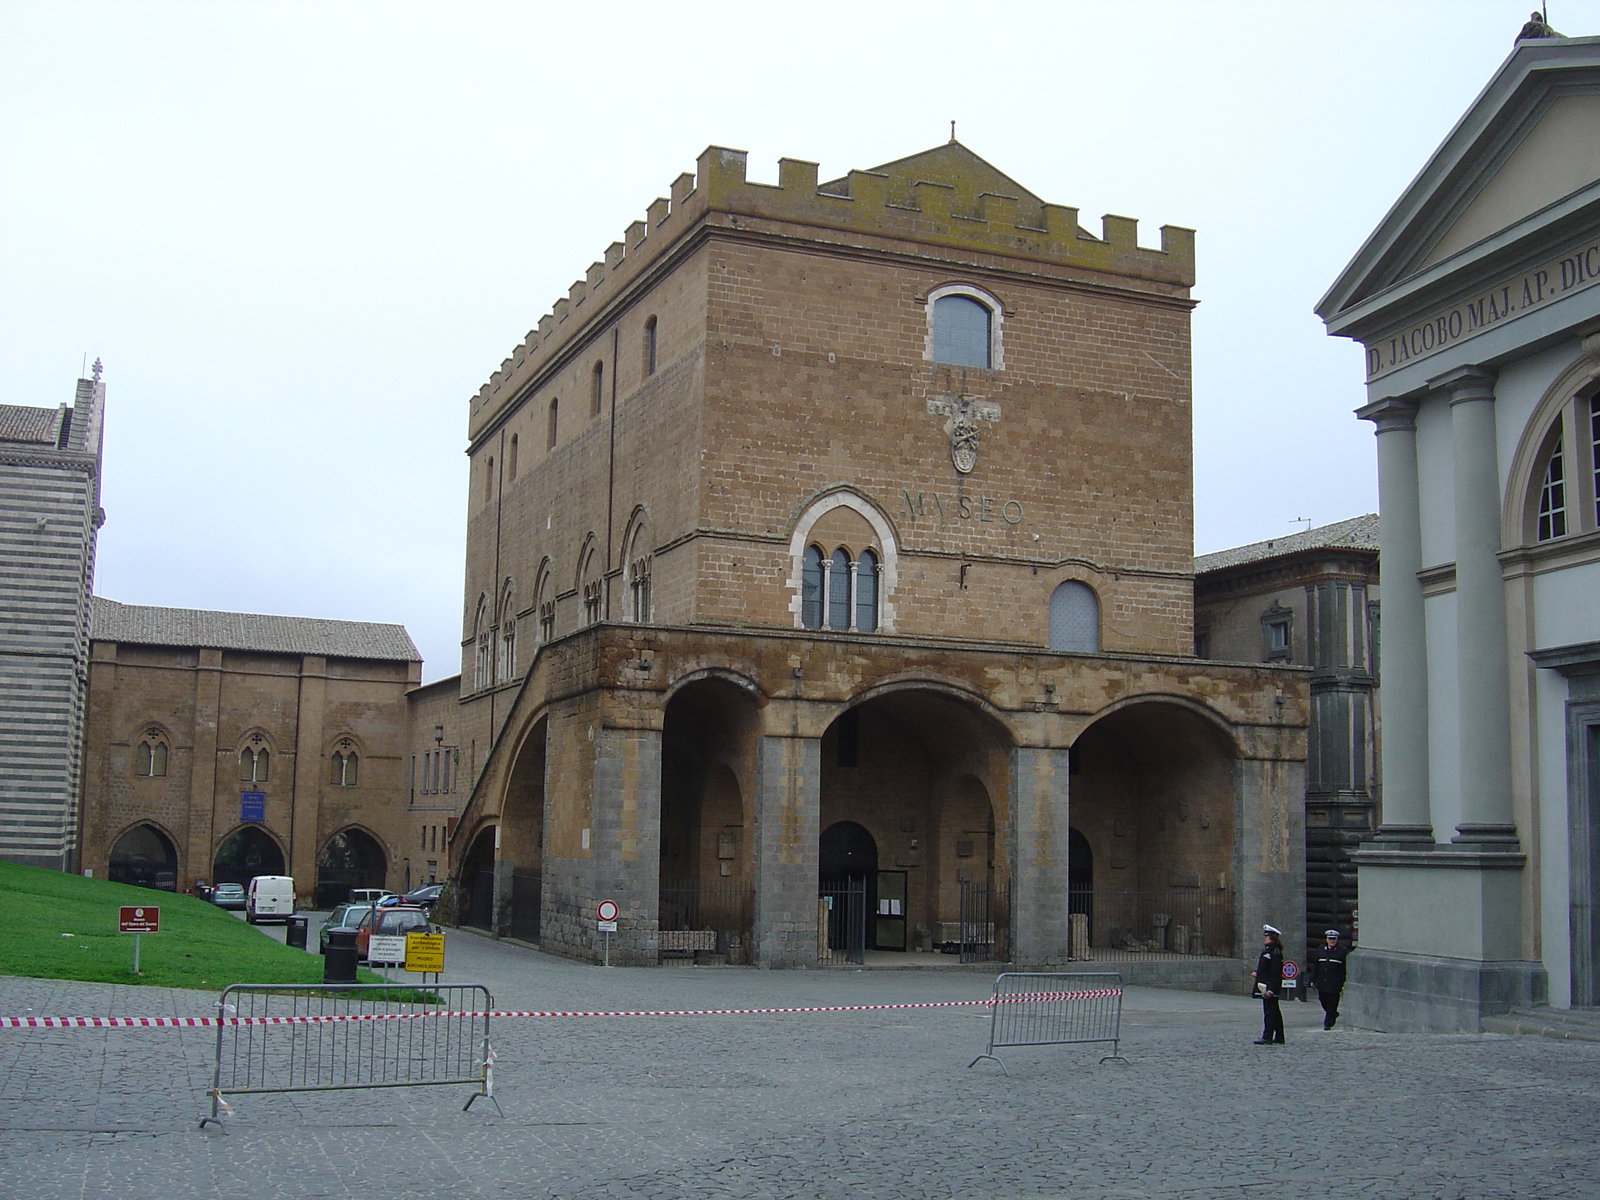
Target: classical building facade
{"x":220,"y":746}
{"x":49,"y":515}
{"x":1477,"y":304}
{"x":829,"y":553}
{"x":1311,"y":598}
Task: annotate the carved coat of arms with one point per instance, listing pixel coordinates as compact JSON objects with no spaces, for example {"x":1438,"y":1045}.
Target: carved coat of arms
{"x":964,"y":412}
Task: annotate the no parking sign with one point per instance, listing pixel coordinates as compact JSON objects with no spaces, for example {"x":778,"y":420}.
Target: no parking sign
{"x":1291,"y":973}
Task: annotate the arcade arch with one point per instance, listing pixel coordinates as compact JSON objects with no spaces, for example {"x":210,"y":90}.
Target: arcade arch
{"x":145,"y":857}
{"x":351,"y":858}
{"x":245,"y":853}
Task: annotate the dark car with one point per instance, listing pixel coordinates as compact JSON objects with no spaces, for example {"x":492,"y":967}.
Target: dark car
{"x":228,"y":895}
{"x":346,"y":916}
{"x":424,"y":896}
{"x":390,"y":922}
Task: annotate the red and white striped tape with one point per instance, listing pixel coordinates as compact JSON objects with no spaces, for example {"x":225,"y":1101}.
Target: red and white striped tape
{"x":213,"y":1022}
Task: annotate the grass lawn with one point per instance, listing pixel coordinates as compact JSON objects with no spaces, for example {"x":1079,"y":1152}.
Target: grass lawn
{"x":199,"y":946}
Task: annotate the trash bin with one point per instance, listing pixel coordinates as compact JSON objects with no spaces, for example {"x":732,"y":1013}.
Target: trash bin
{"x":294,"y":933}
{"x":339,"y":964}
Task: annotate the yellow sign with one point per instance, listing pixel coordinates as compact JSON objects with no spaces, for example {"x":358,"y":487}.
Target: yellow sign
{"x":425,"y":952}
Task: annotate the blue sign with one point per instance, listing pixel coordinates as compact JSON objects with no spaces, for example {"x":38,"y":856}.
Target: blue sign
{"x":253,"y":807}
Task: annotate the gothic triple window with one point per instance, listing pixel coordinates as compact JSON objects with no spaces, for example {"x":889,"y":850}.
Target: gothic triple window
{"x":150,"y":755}
{"x":838,"y":592}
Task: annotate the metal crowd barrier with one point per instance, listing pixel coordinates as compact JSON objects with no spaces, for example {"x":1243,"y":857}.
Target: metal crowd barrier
{"x":1030,"y":1009}
{"x":331,"y":1037}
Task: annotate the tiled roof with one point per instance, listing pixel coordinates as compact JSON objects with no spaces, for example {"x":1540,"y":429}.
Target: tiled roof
{"x":21,"y":424}
{"x":1358,"y":533}
{"x":113,"y":622}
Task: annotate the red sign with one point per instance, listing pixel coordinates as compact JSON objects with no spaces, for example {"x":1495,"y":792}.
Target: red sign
{"x":138,"y":920}
{"x":608,"y":910}
{"x":1291,"y":969}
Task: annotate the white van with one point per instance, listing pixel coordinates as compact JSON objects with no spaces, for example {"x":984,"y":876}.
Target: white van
{"x":270,"y":898}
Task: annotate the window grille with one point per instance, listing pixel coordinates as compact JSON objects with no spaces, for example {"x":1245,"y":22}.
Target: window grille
{"x":811,"y":578}
{"x":597,"y":393}
{"x":650,"y":346}
{"x":555,"y":420}
{"x":867,"y":592}
{"x":1074,"y":618}
{"x":1553,"y":498}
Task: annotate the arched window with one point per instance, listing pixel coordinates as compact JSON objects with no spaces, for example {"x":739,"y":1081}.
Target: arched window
{"x":811,"y":577}
{"x":1553,"y":497}
{"x":150,"y":755}
{"x":650,"y":346}
{"x":344,"y":765}
{"x":507,"y":667}
{"x":589,"y":581}
{"x":253,"y":765}
{"x":488,"y":479}
{"x":839,"y":589}
{"x":554,"y":422}
{"x":511,"y":458}
{"x":867,"y":592}
{"x":1075,"y":618}
{"x":483,"y":647}
{"x":962,"y":331}
{"x":597,"y":389}
{"x":545,"y":603}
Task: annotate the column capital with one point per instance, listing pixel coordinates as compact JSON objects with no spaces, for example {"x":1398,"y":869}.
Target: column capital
{"x":1391,"y":414}
{"x":1466,"y":384}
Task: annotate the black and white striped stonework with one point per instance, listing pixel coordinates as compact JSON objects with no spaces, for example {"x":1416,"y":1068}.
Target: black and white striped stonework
{"x":49,"y":514}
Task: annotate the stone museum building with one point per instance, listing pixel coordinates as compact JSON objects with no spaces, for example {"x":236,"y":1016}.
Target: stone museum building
{"x":1477,"y":300}
{"x":829,"y":590}
{"x":49,"y":518}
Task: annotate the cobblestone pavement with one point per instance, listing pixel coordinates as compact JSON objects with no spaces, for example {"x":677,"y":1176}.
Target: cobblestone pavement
{"x":822,"y":1106}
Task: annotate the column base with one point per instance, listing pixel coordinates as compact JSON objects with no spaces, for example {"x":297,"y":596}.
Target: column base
{"x":1493,"y":835}
{"x":1405,"y":835}
{"x":1397,"y":992}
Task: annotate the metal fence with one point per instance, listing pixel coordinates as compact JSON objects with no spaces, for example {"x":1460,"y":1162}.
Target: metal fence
{"x":1054,"y":1010}
{"x":985,"y":923}
{"x":707,"y":918}
{"x":1138,"y":926}
{"x":316,"y":1038}
{"x":842,"y":922}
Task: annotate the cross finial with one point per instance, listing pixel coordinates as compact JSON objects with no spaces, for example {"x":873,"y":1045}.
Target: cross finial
{"x":97,"y":369}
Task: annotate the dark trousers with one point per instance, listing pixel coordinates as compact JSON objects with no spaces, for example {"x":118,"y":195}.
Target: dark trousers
{"x":1271,"y":1020}
{"x":1330,"y":1006}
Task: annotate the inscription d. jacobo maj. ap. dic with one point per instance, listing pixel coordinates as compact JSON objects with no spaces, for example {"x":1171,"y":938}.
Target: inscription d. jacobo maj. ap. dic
{"x":943,"y":507}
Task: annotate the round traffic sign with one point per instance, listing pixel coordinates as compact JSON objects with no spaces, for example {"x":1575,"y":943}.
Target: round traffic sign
{"x":1291,"y":969}
{"x":608,"y":910}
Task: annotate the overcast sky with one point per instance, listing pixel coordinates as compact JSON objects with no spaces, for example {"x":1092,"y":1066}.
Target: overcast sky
{"x":301,"y":236}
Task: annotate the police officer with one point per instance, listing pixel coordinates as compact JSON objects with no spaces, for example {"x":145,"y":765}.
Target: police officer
{"x":1269,"y":983}
{"x":1327,"y":975}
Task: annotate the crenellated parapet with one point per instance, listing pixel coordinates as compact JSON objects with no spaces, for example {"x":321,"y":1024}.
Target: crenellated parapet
{"x":946,"y":197}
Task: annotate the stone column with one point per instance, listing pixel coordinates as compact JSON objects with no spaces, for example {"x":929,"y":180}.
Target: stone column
{"x":1404,"y":669}
{"x":627,"y":842}
{"x":1485,"y":688}
{"x":787,"y":806}
{"x":1039,"y":837}
{"x":306,"y":782}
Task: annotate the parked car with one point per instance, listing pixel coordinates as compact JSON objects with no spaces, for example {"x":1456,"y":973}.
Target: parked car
{"x":228,"y":895}
{"x":270,"y":898}
{"x":424,"y":896}
{"x":369,"y":895}
{"x":389,"y":922}
{"x":346,"y":916}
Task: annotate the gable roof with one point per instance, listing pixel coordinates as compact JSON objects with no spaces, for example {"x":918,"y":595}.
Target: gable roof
{"x":1358,"y":533}
{"x":1530,"y":84}
{"x":968,"y":175}
{"x":151,"y":626}
{"x":37,"y":426}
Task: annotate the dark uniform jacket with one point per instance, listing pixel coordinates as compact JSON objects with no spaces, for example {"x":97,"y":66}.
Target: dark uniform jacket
{"x":1327,"y":967}
{"x":1269,"y":970}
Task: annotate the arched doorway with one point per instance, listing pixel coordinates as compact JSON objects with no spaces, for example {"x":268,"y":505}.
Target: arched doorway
{"x":709,"y":737}
{"x":144,"y":857}
{"x":1150,"y":855}
{"x":1080,"y":893}
{"x":477,"y":882}
{"x":522,"y":835}
{"x":350,"y":859}
{"x":847,"y":885}
{"x":244,"y":854}
{"x":918,"y":769}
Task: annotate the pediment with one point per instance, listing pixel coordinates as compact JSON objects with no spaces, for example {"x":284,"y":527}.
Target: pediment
{"x":1529,"y":140}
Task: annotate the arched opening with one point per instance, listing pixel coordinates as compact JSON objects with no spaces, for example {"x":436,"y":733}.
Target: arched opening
{"x":847,"y":883}
{"x":144,"y":857}
{"x":246,"y":853}
{"x":1080,"y":893}
{"x":918,"y":771}
{"x":1151,"y":850}
{"x":708,"y":751}
{"x":477,"y":882}
{"x":522,"y":834}
{"x":350,"y":859}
